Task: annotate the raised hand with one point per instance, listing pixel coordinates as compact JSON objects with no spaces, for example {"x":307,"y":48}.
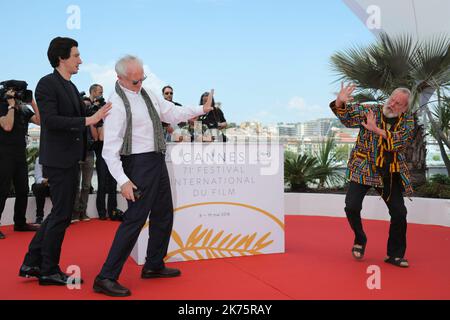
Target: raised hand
{"x":371,"y":122}
{"x":10,"y":94}
{"x":207,"y":107}
{"x":345,"y":95}
{"x":102,"y":113}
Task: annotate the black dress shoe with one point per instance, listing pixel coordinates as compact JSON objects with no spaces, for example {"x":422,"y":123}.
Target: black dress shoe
{"x":110,"y":287}
{"x":26,"y":227}
{"x":58,"y":279}
{"x":103,"y":218}
{"x":116,"y":215}
{"x":163,"y":273}
{"x":28,"y":272}
{"x":2,"y":236}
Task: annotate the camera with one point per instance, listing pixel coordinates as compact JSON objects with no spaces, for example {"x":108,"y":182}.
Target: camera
{"x":19,"y":88}
{"x":95,"y":106}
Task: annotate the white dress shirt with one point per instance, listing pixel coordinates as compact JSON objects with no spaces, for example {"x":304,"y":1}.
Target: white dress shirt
{"x":142,"y":133}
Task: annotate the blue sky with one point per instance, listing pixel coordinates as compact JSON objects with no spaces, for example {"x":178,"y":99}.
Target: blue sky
{"x":267,"y":60}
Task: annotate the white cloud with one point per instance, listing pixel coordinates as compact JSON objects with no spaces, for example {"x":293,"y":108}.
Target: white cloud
{"x":106,"y":76}
{"x":300,"y":105}
{"x":301,"y":110}
{"x":297,"y":103}
{"x":101,"y":74}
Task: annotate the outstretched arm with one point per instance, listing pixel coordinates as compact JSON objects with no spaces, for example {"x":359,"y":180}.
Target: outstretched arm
{"x":173,"y":114}
{"x":351,"y":115}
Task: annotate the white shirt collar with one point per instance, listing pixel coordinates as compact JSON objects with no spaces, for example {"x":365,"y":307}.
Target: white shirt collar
{"x":130,"y":91}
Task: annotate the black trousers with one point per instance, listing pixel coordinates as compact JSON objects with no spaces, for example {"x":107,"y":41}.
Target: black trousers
{"x":45,"y":247}
{"x":14,"y":169}
{"x":107,"y":185}
{"x":148,"y":172}
{"x":396,"y":246}
{"x":40,"y":191}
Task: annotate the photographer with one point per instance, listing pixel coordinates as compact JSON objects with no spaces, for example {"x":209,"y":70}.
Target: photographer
{"x":214,"y":119}
{"x":14,"y":118}
{"x":106,"y":183}
{"x":167,"y":92}
{"x":86,"y":165}
{"x":41,"y":190}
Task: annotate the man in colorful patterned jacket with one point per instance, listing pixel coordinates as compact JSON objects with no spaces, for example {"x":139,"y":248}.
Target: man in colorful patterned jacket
{"x":378,"y":161}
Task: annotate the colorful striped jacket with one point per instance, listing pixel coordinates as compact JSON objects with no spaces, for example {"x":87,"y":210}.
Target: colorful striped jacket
{"x":368,"y":155}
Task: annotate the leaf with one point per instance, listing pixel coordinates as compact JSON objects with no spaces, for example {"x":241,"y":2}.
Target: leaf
{"x":216,"y":238}
{"x":186,"y":257}
{"x":208,"y":236}
{"x":265,"y":244}
{"x":241,"y":242}
{"x":224,"y":240}
{"x":249,"y":241}
{"x":198,"y":254}
{"x":199,"y":237}
{"x":219,"y":255}
{"x":176,"y":237}
{"x":260,"y":241}
{"x":233,"y":241}
{"x":193,"y":235}
{"x":208,"y":254}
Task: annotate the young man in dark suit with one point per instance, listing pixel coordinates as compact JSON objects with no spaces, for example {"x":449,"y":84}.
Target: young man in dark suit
{"x":62,"y":145}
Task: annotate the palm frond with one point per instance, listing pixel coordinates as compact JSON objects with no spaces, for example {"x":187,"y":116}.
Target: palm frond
{"x":431,"y":61}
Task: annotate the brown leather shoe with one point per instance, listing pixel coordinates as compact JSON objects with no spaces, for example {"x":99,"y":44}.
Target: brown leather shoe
{"x":26,"y":227}
{"x":163,"y":273}
{"x":110,"y":287}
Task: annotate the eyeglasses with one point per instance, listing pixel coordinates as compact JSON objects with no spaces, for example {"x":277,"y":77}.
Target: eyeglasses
{"x":135,"y":82}
{"x":168,"y":93}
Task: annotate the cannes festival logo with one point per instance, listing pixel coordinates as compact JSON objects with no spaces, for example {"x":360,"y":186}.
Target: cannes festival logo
{"x":263,"y":233}
{"x":208,"y":243}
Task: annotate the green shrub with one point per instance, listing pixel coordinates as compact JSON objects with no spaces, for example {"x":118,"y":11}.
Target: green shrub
{"x":437,"y":187}
{"x":441,"y":179}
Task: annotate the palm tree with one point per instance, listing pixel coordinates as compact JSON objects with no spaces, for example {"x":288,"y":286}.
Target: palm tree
{"x":301,"y":171}
{"x":327,"y":162}
{"x":32,"y":154}
{"x":432,"y":72}
{"x":441,"y":114}
{"x":396,"y":62}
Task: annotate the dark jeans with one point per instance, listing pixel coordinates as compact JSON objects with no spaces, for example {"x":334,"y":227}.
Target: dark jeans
{"x":45,"y":247}
{"x":149,"y":173}
{"x":396,"y":246}
{"x":106,"y":185}
{"x":40,"y":191}
{"x":13,"y":168}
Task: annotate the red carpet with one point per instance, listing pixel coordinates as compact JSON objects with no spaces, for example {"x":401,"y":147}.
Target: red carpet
{"x":317,"y":265}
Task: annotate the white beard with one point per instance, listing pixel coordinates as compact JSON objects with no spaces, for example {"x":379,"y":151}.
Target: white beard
{"x":387,"y":113}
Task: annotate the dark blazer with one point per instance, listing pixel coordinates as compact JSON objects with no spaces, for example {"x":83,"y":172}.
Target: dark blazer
{"x":63,"y":130}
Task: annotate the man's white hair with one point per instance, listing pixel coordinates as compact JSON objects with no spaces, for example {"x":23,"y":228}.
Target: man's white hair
{"x":124,"y":62}
{"x":404,"y":91}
